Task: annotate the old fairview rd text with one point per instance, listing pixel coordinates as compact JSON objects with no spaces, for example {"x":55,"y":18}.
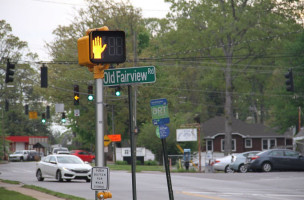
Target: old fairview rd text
{"x":127,"y":76}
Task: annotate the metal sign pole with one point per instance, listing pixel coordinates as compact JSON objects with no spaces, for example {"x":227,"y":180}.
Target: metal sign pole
{"x":99,"y":147}
{"x":133,"y":146}
{"x":170,"y":191}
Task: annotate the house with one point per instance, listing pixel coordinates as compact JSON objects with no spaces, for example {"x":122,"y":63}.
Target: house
{"x":142,"y":154}
{"x":298,"y":141}
{"x":27,"y":143}
{"x":245,"y":137}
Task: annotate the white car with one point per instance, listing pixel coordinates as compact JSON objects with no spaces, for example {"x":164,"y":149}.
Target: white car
{"x":60,"y":149}
{"x":63,"y":167}
{"x":20,"y":155}
{"x":222,"y":164}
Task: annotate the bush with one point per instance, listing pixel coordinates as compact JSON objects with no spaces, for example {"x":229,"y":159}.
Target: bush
{"x":119,"y":162}
{"x":151,"y":162}
{"x":138,"y":162}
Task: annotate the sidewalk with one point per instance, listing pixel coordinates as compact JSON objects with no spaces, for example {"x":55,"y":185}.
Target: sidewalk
{"x":29,"y":192}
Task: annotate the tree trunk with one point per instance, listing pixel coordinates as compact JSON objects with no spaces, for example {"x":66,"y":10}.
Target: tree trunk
{"x":228,"y":107}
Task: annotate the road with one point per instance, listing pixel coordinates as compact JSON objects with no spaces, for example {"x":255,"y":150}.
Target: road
{"x":194,"y":186}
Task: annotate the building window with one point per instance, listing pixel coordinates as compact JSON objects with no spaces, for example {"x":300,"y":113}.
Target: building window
{"x":248,"y":143}
{"x":233,"y":145}
{"x":268,"y":144}
{"x":209,"y":145}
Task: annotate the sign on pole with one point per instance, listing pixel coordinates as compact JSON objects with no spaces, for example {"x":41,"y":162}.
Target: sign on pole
{"x":127,"y":76}
{"x":107,"y":141}
{"x":186,"y":135}
{"x":162,"y":131}
{"x":160,"y":113}
{"x":100,"y":178}
{"x":115,"y":137}
{"x":59,"y":107}
{"x":33,"y":115}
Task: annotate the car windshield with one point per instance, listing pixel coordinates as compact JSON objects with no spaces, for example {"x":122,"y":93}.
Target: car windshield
{"x":68,"y":160}
{"x":18,"y":152}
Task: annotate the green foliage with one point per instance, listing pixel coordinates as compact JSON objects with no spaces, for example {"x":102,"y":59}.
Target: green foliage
{"x":119,"y":162}
{"x":211,"y":57}
{"x":12,"y":195}
{"x":151,"y":162}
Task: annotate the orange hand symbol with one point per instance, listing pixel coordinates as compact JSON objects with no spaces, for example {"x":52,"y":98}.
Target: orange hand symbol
{"x":98,"y":48}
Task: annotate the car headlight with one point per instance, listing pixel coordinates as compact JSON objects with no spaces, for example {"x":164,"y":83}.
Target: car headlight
{"x":66,"y":169}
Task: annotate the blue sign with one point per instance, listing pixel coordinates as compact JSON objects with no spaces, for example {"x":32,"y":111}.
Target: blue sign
{"x":162,"y":131}
{"x":160,"y":112}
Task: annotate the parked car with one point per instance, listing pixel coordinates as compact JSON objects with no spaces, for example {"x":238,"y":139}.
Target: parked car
{"x":20,"y":155}
{"x":63,"y":167}
{"x":222,"y":164}
{"x":56,"y":149}
{"x":33,"y":155}
{"x":239,"y":164}
{"x":277,"y":159}
{"x":84,"y":155}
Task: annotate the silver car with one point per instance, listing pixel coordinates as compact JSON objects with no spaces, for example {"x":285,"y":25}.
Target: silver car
{"x":222,"y":164}
{"x":63,"y":167}
{"x":239,"y":164}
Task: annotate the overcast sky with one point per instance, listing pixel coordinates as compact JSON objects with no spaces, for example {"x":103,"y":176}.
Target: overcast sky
{"x":34,"y":20}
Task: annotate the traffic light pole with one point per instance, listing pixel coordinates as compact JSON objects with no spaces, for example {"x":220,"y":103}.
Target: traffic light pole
{"x":99,"y":147}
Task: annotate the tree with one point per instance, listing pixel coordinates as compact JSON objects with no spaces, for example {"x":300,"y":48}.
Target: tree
{"x":24,"y":88}
{"x":117,"y":16}
{"x":229,"y":32}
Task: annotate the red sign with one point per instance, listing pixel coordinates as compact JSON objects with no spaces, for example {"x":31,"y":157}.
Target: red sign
{"x":115,"y":138}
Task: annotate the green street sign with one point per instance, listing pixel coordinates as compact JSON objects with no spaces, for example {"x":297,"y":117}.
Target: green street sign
{"x":127,"y":76}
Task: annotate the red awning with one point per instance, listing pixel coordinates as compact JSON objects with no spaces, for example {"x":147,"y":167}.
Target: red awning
{"x":18,"y":138}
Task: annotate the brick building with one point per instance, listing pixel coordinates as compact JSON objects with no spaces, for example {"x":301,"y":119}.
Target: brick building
{"x":245,"y":137}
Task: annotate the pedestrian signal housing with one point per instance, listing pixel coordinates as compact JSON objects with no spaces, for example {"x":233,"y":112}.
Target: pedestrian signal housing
{"x":101,"y":47}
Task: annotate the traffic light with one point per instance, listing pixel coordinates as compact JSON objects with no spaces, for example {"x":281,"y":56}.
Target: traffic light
{"x":9,"y":72}
{"x":44,"y":76}
{"x":289,"y":81}
{"x":63,"y":118}
{"x":26,"y":109}
{"x":101,"y":46}
{"x":90,"y":93}
{"x":6,"y":105}
{"x":43,"y":119}
{"x":117,"y":91}
{"x":76,"y":95}
{"x":48,"y":114}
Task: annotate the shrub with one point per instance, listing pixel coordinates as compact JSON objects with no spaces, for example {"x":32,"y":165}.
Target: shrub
{"x":150,"y":162}
{"x":119,"y":162}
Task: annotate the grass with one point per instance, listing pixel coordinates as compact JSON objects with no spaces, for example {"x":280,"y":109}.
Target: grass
{"x":33,"y":187}
{"x":12,"y":195}
{"x":139,"y":168}
{"x":57,"y":194}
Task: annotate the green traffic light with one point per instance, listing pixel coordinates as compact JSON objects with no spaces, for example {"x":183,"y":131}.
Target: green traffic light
{"x":90,"y":97}
{"x":63,"y":120}
{"x":43,"y":121}
{"x":117,"y":93}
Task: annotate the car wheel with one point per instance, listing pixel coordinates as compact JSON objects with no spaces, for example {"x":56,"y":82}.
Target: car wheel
{"x":228,"y":169}
{"x":39,"y":175}
{"x":68,"y":180}
{"x":58,"y":176}
{"x":243,"y":168}
{"x":266,"y":167}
